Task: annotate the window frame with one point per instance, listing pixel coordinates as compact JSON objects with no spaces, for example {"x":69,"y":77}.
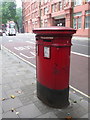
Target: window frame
{"x":46,"y":10}
{"x":54,"y":8}
{"x":77,"y":3}
{"x":87,"y":14}
{"x":60,"y":6}
{"x":75,"y":23}
{"x":77,"y":16}
{"x":79,"y":22}
{"x":87,"y":22}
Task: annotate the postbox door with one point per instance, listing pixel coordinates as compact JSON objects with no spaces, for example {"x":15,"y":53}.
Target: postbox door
{"x":61,"y":67}
{"x":53,"y":66}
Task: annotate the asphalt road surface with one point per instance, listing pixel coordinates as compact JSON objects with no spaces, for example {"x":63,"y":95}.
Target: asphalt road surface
{"x":81,"y":46}
{"x":23,"y":45}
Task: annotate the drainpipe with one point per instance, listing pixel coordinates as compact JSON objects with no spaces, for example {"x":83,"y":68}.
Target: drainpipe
{"x":40,"y":13}
{"x":72,"y":12}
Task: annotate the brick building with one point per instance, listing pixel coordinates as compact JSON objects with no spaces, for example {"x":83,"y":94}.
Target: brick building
{"x":57,"y":13}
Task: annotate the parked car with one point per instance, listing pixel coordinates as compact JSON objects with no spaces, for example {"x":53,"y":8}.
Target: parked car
{"x":1,"y":32}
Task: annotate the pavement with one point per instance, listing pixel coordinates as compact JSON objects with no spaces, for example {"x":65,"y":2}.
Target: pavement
{"x":19,"y":94}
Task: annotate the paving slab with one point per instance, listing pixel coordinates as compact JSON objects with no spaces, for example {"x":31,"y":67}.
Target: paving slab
{"x":6,"y":87}
{"x":42,"y":107}
{"x":17,"y":84}
{"x":8,"y":104}
{"x":4,"y":95}
{"x":29,"y":111}
{"x":10,"y":114}
{"x":14,"y":92}
{"x":48,"y":115}
{"x":85,"y":116}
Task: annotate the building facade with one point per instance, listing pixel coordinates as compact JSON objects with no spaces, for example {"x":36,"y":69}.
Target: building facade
{"x":46,"y":13}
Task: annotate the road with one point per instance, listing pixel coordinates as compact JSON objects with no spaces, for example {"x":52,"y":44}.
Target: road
{"x":23,"y":46}
{"x":81,"y":46}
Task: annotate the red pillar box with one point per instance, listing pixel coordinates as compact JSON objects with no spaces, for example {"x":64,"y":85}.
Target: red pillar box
{"x":52,"y":65}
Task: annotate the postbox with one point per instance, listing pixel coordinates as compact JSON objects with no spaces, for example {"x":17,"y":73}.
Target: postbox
{"x":53,"y":64}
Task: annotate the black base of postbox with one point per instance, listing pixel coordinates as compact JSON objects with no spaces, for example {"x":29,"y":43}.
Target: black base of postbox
{"x":53,"y":98}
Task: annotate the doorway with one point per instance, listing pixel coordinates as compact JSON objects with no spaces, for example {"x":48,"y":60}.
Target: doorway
{"x":60,"y":22}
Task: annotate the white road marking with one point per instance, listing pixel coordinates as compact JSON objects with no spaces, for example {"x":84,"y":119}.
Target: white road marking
{"x":80,"y":54}
{"x":25,"y":56}
{"x":10,"y":40}
{"x":27,"y":47}
{"x":30,"y":42}
{"x":1,"y":46}
{"x":32,"y":39}
{"x":23,"y":48}
{"x":79,"y":91}
{"x":19,"y":48}
{"x":33,"y":53}
{"x":80,"y":44}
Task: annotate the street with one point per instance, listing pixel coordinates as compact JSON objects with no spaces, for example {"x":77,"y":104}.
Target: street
{"x":23,"y":46}
{"x":81,"y":45}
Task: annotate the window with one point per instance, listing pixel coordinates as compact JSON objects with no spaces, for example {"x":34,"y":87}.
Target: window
{"x":35,"y":5}
{"x":87,"y":22}
{"x":60,"y":5}
{"x":45,"y":10}
{"x":87,"y":19}
{"x":41,"y":12}
{"x":87,"y":12}
{"x":41,"y":23}
{"x":77,"y":14}
{"x":33,"y":24}
{"x":32,"y":6}
{"x":54,"y":8}
{"x":66,"y":3}
{"x":74,"y":23}
{"x":41,"y":2}
{"x":45,"y":23}
{"x":45,"y":1}
{"x":79,"y":22}
{"x":77,"y":2}
{"x":35,"y":14}
{"x":87,"y":0}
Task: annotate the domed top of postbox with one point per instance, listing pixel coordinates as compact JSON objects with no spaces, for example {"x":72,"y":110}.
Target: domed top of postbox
{"x":54,"y":30}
